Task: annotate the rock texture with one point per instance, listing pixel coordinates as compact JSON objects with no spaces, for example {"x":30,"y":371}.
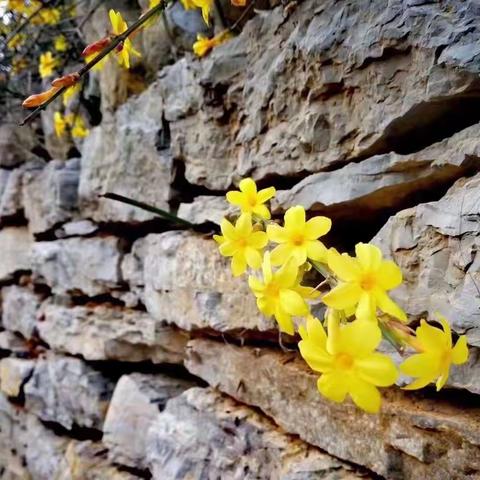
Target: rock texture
{"x":15,"y":245}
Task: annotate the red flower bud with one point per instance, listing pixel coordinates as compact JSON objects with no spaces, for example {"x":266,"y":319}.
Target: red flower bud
{"x":96,"y":47}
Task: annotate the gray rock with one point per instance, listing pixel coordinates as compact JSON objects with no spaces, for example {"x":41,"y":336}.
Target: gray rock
{"x":67,"y":391}
{"x":135,"y":404}
{"x":50,"y":193}
{"x":110,"y":333}
{"x":14,"y":372}
{"x":204,"y":434}
{"x":414,"y":435}
{"x":16,"y":144}
{"x":76,"y":228}
{"x":87,"y":265}
{"x":188,"y":283}
{"x":13,"y":343}
{"x":205,"y":209}
{"x":11,"y":192}
{"x":15,"y":245}
{"x":19,"y":310}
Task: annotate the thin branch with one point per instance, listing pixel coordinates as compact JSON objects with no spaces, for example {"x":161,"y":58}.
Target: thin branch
{"x":111,"y":46}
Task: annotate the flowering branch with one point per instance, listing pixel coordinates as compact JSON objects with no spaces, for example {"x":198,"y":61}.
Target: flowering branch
{"x":113,"y":44}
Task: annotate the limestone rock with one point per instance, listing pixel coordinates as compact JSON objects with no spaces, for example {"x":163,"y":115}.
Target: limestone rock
{"x":414,"y":436}
{"x":16,"y":144}
{"x":76,"y":228}
{"x":13,"y":344}
{"x":67,"y":391}
{"x":87,"y":265}
{"x":435,"y":245}
{"x":110,"y":333}
{"x":50,"y":193}
{"x":87,"y":460}
{"x":128,"y":155}
{"x":10,"y":192}
{"x":204,"y":434}
{"x":205,"y":209}
{"x":14,"y":372}
{"x":188,"y":283}
{"x":136,"y":402}
{"x":15,"y":245}
{"x":19,"y":310}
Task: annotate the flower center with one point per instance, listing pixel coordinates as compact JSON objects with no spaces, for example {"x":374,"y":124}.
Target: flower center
{"x":272,"y":290}
{"x":297,"y":239}
{"x":252,"y":200}
{"x":343,"y":361}
{"x":367,"y":282}
{"x":241,"y":242}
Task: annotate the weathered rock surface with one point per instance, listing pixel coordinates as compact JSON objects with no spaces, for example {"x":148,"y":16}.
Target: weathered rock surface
{"x":13,"y":344}
{"x":16,"y":145}
{"x":204,"y":434}
{"x":128,"y":155}
{"x":14,"y":372}
{"x":414,"y":436}
{"x":67,"y":391}
{"x":436,"y":246}
{"x":10,"y":192}
{"x":189,"y":284}
{"x":205,"y":209}
{"x":19,"y":310}
{"x":110,"y":333}
{"x":136,"y":402}
{"x":86,"y":265}
{"x":50,"y":193}
{"x":15,"y":245}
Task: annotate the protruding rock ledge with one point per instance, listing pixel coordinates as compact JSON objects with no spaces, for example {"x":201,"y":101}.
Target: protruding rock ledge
{"x":111,"y":333}
{"x":203,"y":433}
{"x":413,"y":436}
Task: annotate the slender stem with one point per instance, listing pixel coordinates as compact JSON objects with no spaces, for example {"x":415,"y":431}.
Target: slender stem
{"x":242,"y":16}
{"x":111,"y":46}
{"x":148,"y":208}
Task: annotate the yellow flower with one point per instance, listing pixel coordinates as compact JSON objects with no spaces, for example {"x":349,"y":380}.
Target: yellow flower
{"x":364,"y":281}
{"x":70,"y":92}
{"x":280,"y":295}
{"x":241,"y":243}
{"x":203,"y":44}
{"x":18,"y":65}
{"x":16,"y":41}
{"x":298,"y":239}
{"x":17,"y":6}
{"x":119,"y":25}
{"x":205,"y":5}
{"x":98,"y":66}
{"x":77,"y":125}
{"x":347,"y":361}
{"x":60,"y":43}
{"x":48,"y":63}
{"x":60,"y":124}
{"x":437,"y":354}
{"x":251,"y":201}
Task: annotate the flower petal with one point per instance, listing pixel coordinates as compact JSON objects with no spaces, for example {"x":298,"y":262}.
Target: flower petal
{"x":236,"y":198}
{"x":255,"y":285}
{"x":419,"y":383}
{"x":460,"y":351}
{"x":387,"y":305}
{"x":248,"y":186}
{"x":366,"y":308}
{"x":317,"y":227}
{"x":295,"y":218}
{"x":293,"y":303}
{"x":442,"y":379}
{"x":317,"y":359}
{"x":258,"y":240}
{"x":228,"y":230}
{"x":364,"y":395}
{"x":262,"y":211}
{"x":227,"y":249}
{"x":431,"y":338}
{"x":359,"y":338}
{"x":267,"y":268}
{"x":343,"y":266}
{"x":266,"y":194}
{"x":277,"y":234}
{"x":286,"y":275}
{"x":281,"y":253}
{"x":316,"y":332}
{"x":253,"y":258}
{"x":239,"y":265}
{"x":333,"y":386}
{"x":389,"y":275}
{"x":316,"y":250}
{"x":243,"y":226}
{"x":421,"y":365}
{"x":377,"y":369}
{"x":343,"y":296}
{"x":446,"y":328}
{"x":284,"y":321}
{"x":369,"y":256}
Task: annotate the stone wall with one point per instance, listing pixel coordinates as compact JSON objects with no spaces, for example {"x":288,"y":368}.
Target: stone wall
{"x":127,"y":348}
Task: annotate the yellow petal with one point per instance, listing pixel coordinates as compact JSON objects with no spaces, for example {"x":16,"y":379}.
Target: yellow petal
{"x":219,"y":239}
{"x":262,"y":211}
{"x":266,"y":306}
{"x":418,"y":383}
{"x":389,"y":275}
{"x":258,"y":240}
{"x":446,"y":328}
{"x":343,"y":266}
{"x":286,"y":276}
{"x":228,"y":230}
{"x":317,"y":359}
{"x":293,"y":303}
{"x":359,"y":338}
{"x":421,"y":365}
{"x":431,"y":338}
{"x":343,"y":296}
{"x":239,"y":265}
{"x":243,"y":226}
{"x":281,"y":254}
{"x":316,"y":332}
{"x":248,"y":186}
{"x":253,"y":258}
{"x":294,"y":218}
{"x":317,"y":227}
{"x":227,"y":249}
{"x":364,"y":395}
{"x":276,"y":233}
{"x":368,"y":255}
{"x":266,"y":194}
{"x":377,"y":369}
{"x":255,"y":285}
{"x":387,"y":305}
{"x":442,"y":379}
{"x":333,"y":386}
{"x":460,"y":351}
{"x":366,"y":307}
{"x":284,"y":321}
{"x":316,"y":250}
{"x":236,"y":198}
{"x":267,"y":268}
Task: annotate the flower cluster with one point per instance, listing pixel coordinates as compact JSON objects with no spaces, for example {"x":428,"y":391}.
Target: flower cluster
{"x":343,"y":348}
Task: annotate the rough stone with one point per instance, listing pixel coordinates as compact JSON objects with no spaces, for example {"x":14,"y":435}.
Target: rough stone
{"x":87,"y":265}
{"x":206,"y":209}
{"x":16,"y":145}
{"x":387,"y":181}
{"x":135,"y":404}
{"x":11,"y":192}
{"x":67,"y":391}
{"x":50,"y":193}
{"x":188,"y":283}
{"x":14,"y":372}
{"x":109,"y":333}
{"x":414,"y":436}
{"x":76,"y":228}
{"x":15,"y":245}
{"x":204,"y":434}
{"x":13,"y":344}
{"x":19,"y":310}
